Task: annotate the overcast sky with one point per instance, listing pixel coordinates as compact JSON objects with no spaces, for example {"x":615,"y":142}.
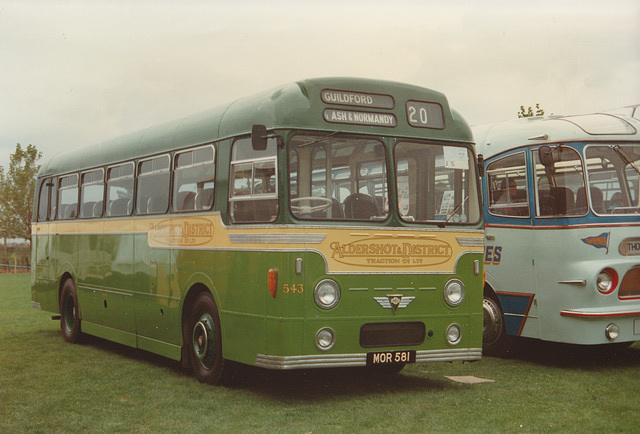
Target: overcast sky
{"x":74,"y":73}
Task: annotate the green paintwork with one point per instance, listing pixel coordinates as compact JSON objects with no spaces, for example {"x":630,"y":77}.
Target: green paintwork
{"x":133,"y":294}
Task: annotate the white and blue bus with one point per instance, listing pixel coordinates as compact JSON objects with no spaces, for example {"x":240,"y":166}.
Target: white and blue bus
{"x":562,"y":214}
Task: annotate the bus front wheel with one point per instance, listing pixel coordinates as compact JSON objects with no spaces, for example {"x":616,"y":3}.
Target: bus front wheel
{"x":70,"y":312}
{"x":495,"y":341}
{"x":205,"y":346}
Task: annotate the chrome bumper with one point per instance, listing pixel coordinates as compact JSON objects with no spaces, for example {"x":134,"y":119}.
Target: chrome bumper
{"x":360,"y":359}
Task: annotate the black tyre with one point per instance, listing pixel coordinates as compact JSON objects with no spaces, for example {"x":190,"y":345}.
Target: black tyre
{"x":495,"y":341}
{"x":205,"y":340}
{"x":70,"y":312}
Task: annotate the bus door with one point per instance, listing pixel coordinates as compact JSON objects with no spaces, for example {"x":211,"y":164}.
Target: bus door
{"x":153,"y":305}
{"x":508,"y":261}
{"x":560,"y":198}
{"x":42,"y":252}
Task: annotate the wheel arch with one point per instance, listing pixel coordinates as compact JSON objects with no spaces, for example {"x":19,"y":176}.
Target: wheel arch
{"x":195,"y":289}
{"x":489,"y":291}
{"x":65,"y":276}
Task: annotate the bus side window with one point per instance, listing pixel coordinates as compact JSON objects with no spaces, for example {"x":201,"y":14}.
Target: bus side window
{"x":193,"y":179}
{"x":153,"y":185}
{"x":507,"y":186}
{"x":92,"y":194}
{"x":43,"y":199}
{"x":68,"y":197}
{"x":253,"y":183}
{"x":119,"y":190}
{"x":560,"y":190}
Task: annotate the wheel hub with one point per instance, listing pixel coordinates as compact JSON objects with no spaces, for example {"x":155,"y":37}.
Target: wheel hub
{"x":492,"y":322}
{"x":203,"y":341}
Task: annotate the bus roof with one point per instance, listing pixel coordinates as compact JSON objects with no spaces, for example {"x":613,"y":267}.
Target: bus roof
{"x":295,"y":105}
{"x":497,"y":138}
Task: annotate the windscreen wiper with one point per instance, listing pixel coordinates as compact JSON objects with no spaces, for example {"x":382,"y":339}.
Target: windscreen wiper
{"x":624,"y":157}
{"x":321,"y":139}
{"x":450,"y":216}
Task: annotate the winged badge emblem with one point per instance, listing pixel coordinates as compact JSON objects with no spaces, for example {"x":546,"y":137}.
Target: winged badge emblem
{"x":394,"y":301}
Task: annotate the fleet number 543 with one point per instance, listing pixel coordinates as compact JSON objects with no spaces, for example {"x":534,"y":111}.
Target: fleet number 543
{"x":293,"y":288}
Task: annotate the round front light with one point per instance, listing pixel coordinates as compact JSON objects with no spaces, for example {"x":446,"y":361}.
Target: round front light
{"x":454,"y":292}
{"x":454,"y":334}
{"x":327,"y":294}
{"x":612,"y":332}
{"x":607,"y":281}
{"x":325,"y":339}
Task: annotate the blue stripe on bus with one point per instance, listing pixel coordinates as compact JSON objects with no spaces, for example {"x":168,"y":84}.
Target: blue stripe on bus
{"x":586,"y":221}
{"x":516,"y":308}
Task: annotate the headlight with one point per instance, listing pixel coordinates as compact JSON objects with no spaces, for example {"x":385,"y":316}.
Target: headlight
{"x":612,"y":332}
{"x":454,"y":292}
{"x":454,"y":334}
{"x":607,"y":281}
{"x":325,"y":338}
{"x":327,"y":294}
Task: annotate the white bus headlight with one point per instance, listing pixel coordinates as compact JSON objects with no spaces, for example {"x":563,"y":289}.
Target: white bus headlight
{"x":607,"y":281}
{"x":454,"y":292}
{"x":612,"y":332}
{"x":454,"y":334}
{"x":327,"y":294}
{"x":325,"y":339}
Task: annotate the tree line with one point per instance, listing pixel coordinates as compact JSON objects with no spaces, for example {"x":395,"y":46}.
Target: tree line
{"x":17,"y":185}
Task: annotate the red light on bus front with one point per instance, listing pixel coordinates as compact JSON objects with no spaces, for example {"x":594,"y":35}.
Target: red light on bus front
{"x":272,"y":280}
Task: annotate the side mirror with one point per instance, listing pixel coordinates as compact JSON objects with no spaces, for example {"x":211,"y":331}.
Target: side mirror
{"x":545,"y":155}
{"x":480,"y":165}
{"x":259,"y":137}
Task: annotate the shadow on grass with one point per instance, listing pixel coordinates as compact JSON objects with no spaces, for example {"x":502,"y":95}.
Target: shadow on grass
{"x":311,"y":385}
{"x":570,"y":356}
{"x":314,"y":385}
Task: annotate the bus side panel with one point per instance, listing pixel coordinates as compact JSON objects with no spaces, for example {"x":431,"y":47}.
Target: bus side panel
{"x":510,"y":272}
{"x":156,"y":299}
{"x":65,"y":257}
{"x":285,"y":312}
{"x":44,"y":285}
{"x":240,"y":278}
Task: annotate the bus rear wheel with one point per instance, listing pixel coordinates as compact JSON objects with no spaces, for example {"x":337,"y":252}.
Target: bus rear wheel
{"x":495,"y":341}
{"x":205,"y":345}
{"x":70,"y":312}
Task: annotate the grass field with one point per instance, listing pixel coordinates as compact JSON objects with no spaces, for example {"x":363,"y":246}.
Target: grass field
{"x":48,"y":385}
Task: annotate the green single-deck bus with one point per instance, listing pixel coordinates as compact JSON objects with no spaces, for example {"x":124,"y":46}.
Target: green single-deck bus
{"x":325,"y":223}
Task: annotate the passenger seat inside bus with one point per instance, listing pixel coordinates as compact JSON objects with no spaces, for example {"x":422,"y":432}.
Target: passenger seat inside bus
{"x":360,"y":206}
{"x":254,"y":211}
{"x":186,"y":201}
{"x":597,"y":200}
{"x":121,"y":206}
{"x":156,"y":205}
{"x":556,"y":201}
{"x":204,"y":199}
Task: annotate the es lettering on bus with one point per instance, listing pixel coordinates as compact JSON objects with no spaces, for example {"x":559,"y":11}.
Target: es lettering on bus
{"x":492,"y":255}
{"x":292,"y":288}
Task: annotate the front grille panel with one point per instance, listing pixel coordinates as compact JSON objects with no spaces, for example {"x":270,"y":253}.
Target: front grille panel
{"x":630,"y":286}
{"x":392,"y":334}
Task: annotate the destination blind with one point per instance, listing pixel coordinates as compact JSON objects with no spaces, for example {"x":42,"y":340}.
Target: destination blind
{"x":359,"y":118}
{"x":357,"y":99}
